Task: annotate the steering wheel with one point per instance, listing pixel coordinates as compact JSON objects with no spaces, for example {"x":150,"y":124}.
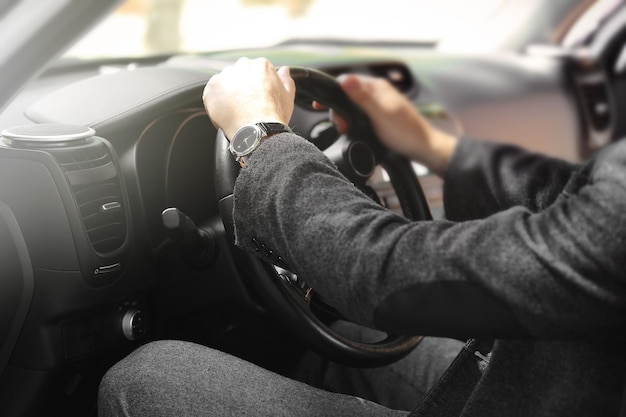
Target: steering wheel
{"x":356,"y":153}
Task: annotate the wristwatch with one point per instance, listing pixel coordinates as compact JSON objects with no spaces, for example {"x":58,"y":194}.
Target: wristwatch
{"x":247,"y":138}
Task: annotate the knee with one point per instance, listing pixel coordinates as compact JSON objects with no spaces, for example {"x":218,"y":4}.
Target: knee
{"x":111,"y":392}
{"x":123,"y":378}
{"x":140,"y":379}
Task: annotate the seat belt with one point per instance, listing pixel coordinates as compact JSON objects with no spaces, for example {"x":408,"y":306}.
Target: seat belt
{"x":450,"y":394}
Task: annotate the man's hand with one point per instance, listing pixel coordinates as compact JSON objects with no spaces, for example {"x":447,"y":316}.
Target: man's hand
{"x":396,"y":122}
{"x":248,"y":92}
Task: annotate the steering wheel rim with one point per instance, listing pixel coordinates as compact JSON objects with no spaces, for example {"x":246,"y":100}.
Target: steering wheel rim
{"x":288,"y":299}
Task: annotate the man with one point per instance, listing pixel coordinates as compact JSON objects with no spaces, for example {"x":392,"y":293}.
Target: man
{"x":536,"y":251}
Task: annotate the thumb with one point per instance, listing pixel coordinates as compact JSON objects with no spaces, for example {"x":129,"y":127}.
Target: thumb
{"x":288,"y":82}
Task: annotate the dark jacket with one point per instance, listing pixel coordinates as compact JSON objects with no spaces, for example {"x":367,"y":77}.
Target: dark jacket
{"x":533,"y":248}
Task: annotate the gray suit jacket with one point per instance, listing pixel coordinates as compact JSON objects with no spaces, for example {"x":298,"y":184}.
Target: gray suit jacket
{"x":533,"y":248}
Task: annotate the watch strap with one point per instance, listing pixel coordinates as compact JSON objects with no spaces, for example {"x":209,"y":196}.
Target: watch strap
{"x":272,"y":128}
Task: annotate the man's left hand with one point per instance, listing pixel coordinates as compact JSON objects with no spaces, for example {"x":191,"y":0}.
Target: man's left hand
{"x":248,"y":92}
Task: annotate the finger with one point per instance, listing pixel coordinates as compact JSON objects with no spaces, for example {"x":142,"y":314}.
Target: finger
{"x":357,"y":87}
{"x":262,"y":64}
{"x":318,"y":106}
{"x":242,"y":61}
{"x":339,"y":122}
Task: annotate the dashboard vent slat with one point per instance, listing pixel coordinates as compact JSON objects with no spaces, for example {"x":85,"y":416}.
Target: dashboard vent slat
{"x":92,"y":158}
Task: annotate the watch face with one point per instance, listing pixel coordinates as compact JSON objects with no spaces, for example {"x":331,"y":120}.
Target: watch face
{"x":245,"y":140}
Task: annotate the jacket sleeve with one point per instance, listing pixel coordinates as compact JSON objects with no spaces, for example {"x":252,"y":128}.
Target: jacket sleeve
{"x":556,"y":273}
{"x":484,"y":178}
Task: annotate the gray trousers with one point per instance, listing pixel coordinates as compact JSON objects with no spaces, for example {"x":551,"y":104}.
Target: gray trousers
{"x":175,"y":378}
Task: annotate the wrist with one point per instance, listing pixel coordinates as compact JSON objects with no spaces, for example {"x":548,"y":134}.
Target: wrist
{"x":249,"y":137}
{"x":230,"y":129}
{"x":438,"y":151}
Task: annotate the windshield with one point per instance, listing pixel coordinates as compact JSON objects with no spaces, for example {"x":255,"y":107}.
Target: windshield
{"x":148,"y":27}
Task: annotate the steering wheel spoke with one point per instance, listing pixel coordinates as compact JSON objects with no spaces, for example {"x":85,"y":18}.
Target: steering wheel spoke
{"x":298,"y":284}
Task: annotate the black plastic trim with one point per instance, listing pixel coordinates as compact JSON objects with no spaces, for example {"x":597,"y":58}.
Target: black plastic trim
{"x":28,"y":281}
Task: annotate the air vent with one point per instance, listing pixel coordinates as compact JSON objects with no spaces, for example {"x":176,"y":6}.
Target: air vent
{"x":596,"y":100}
{"x":396,"y":73}
{"x":95,"y":183}
{"x":596,"y":105}
{"x":90,"y":186}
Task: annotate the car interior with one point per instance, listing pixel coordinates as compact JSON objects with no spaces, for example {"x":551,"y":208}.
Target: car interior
{"x":116,"y":189}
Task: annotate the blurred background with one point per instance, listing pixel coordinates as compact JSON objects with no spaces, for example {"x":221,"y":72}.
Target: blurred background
{"x":147,"y":27}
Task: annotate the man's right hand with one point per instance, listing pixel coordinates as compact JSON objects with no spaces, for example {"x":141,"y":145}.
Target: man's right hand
{"x":397,"y":123}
